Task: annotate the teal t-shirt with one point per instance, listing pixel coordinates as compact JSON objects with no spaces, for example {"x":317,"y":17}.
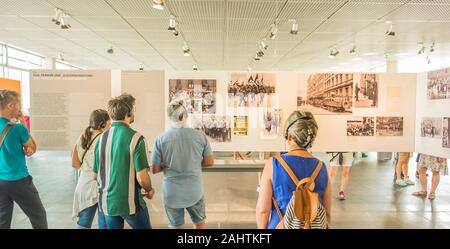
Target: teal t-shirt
{"x":13,"y":166}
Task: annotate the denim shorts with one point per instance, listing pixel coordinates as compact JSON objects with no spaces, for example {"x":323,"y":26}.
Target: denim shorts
{"x":176,"y":215}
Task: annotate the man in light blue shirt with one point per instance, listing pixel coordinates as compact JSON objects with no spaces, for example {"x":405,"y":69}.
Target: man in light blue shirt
{"x":180,"y":153}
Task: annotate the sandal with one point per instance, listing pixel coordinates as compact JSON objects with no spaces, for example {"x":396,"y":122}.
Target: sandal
{"x":420,"y":193}
{"x":432,"y":196}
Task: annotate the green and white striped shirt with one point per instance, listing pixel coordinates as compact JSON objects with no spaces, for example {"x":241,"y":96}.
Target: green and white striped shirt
{"x":119,"y":154}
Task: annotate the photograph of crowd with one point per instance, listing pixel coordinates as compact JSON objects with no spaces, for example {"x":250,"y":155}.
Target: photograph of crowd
{"x":217,"y":127}
{"x":446,"y":133}
{"x":361,"y":126}
{"x":271,"y":122}
{"x":366,"y":91}
{"x":255,"y":90}
{"x":327,"y":93}
{"x":240,"y":125}
{"x":199,"y":96}
{"x":389,"y":126}
{"x":431,"y":127}
{"x":438,"y":84}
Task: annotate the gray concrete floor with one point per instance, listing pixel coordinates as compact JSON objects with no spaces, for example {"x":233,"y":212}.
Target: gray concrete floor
{"x":372,"y":200}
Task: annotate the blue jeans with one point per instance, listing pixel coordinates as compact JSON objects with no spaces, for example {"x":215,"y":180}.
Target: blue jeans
{"x":140,"y":220}
{"x":86,"y":216}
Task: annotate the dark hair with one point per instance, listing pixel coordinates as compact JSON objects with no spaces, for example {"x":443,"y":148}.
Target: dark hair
{"x":121,"y":106}
{"x":97,"y":121}
{"x":6,"y":97}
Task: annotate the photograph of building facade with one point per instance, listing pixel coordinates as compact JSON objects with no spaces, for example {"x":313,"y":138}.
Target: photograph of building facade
{"x":329,"y":93}
{"x":366,"y":91}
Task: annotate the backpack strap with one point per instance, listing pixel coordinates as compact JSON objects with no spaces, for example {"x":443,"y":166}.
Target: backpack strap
{"x":315,"y":173}
{"x":4,"y":133}
{"x":287,"y":168}
{"x":280,"y":214}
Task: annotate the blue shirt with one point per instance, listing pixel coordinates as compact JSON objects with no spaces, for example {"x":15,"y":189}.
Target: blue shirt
{"x":12,"y":157}
{"x":283,"y":186}
{"x":180,"y":151}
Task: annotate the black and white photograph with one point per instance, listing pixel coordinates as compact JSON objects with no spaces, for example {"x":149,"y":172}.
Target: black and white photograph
{"x":366,"y":91}
{"x":389,"y":126}
{"x":361,"y":126}
{"x":446,"y":133}
{"x":240,"y":125}
{"x":196,"y":122}
{"x":199,"y":96}
{"x":217,"y":127}
{"x":438,"y":84}
{"x":431,"y":128}
{"x":251,"y":89}
{"x":271,"y":122}
{"x":326,"y":93}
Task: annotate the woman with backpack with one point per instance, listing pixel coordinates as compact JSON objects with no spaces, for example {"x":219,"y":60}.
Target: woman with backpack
{"x":295,"y":191}
{"x":85,"y":201}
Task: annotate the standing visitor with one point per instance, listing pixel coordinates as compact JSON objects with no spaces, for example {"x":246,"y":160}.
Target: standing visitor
{"x":344,"y":160}
{"x":436,"y":165}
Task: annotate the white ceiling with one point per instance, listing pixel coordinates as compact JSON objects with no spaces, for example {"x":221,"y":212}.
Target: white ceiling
{"x":224,"y":34}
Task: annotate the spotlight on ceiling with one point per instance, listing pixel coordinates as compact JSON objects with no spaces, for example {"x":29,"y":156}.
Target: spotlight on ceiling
{"x":256,"y":58}
{"x":175,"y":32}
{"x":333,"y":52}
{"x":263,"y":45}
{"x":428,"y":60}
{"x":390,"y":31}
{"x":158,"y":4}
{"x":294,"y":28}
{"x":141,"y":67}
{"x":64,"y":24}
{"x":432,"y":47}
{"x":422,"y":48}
{"x":57,"y":18}
{"x":273,"y":31}
{"x":110,"y":50}
{"x":260,"y":53}
{"x":195,"y":67}
{"x":353,"y":49}
{"x":60,"y":56}
{"x":186,"y":50}
{"x":172,"y":23}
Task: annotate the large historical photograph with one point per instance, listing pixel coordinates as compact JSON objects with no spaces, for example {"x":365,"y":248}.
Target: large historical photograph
{"x":326,"y":93}
{"x":366,"y":91}
{"x":361,"y":126}
{"x":446,"y":133}
{"x":271,"y":122}
{"x":251,"y":90}
{"x":199,"y":96}
{"x":438,"y":84}
{"x":389,"y":126}
{"x":217,"y":127}
{"x":431,"y":127}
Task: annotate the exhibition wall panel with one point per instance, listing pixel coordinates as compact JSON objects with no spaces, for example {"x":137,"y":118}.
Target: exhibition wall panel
{"x":148,"y":89}
{"x":61,"y":102}
{"x":433,"y":113}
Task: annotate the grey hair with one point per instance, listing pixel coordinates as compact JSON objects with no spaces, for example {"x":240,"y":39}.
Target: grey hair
{"x":302,"y":128}
{"x":176,"y":111}
{"x":6,"y":97}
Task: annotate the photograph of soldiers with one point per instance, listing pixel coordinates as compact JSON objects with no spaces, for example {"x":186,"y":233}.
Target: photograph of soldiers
{"x":361,"y":126}
{"x":389,"y":126}
{"x":445,"y":133}
{"x":217,"y":128}
{"x":431,"y":127}
{"x":438,"y":84}
{"x":246,"y":90}
{"x":199,"y":96}
{"x":366,"y":91}
{"x":271,"y":123}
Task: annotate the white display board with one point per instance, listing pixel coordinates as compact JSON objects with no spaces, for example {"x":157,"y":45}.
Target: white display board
{"x":432,"y":110}
{"x":61,"y":102}
{"x":148,"y":89}
{"x":395,"y":99}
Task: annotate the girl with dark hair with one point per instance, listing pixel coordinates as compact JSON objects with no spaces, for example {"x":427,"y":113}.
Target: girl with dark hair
{"x":85,"y":202}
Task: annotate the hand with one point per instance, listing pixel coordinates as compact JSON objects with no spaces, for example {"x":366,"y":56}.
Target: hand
{"x":149,"y":195}
{"x":28,"y":151}
{"x":20,"y":117}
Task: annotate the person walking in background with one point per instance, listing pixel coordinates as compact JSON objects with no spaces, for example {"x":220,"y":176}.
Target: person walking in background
{"x":85,"y":201}
{"x":180,"y":153}
{"x":344,"y":160}
{"x":276,"y":184}
{"x":401,"y":170}
{"x":436,"y":165}
{"x":16,"y":184}
{"x":121,"y":169}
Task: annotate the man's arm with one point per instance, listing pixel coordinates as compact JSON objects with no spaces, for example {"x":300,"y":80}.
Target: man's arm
{"x":141,"y":165}
{"x":144,"y":180}
{"x":208,"y":161}
{"x":157,"y":169}
{"x":208,"y":157}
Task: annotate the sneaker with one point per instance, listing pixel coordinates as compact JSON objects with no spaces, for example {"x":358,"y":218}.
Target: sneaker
{"x":341,"y":195}
{"x":409,"y":182}
{"x":401,"y":183}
